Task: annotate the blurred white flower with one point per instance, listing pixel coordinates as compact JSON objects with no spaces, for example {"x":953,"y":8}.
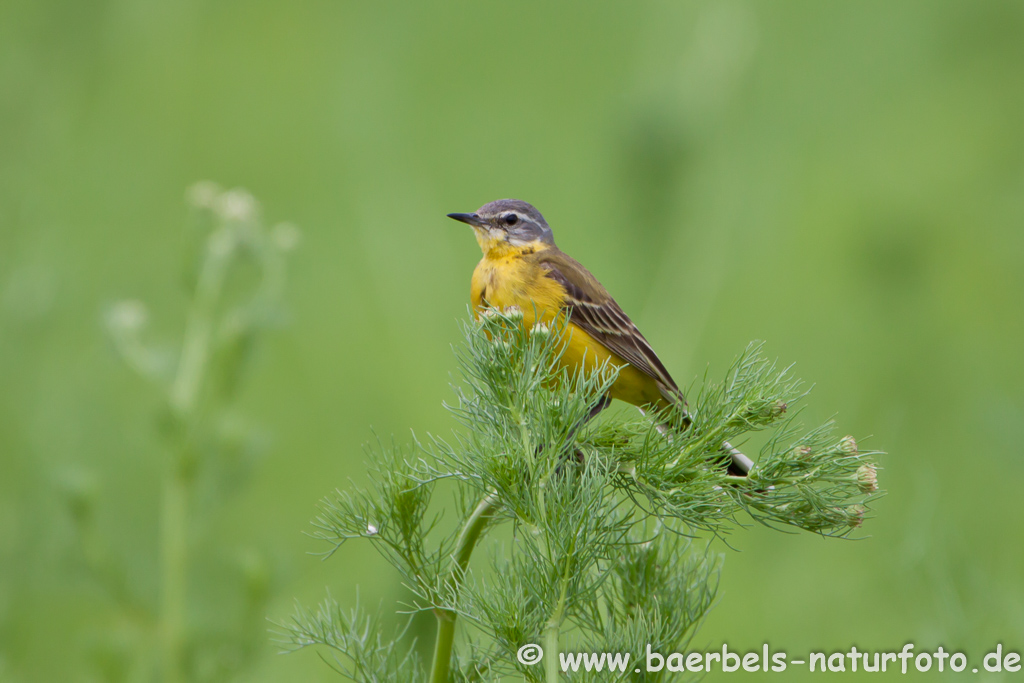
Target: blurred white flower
{"x":129,"y":315}
{"x":237,"y":205}
{"x":203,"y":195}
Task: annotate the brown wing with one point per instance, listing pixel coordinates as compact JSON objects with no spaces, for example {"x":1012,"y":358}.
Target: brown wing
{"x":594,"y":311}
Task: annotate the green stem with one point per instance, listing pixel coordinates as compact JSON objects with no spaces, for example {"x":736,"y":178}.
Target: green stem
{"x":553,"y":627}
{"x":471,"y":531}
{"x":443,"y":647}
{"x":173,"y":560}
{"x":551,"y":652}
{"x":182,"y":397}
{"x":195,"y":347}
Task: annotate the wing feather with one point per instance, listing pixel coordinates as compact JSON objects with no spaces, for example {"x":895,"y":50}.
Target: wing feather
{"x":593,"y":310}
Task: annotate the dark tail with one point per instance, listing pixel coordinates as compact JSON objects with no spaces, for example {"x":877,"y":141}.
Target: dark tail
{"x":738,"y":464}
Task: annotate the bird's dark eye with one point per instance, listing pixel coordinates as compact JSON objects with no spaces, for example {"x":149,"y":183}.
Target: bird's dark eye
{"x":511,"y":218}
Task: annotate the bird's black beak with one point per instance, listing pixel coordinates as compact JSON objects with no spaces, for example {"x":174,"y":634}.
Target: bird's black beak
{"x":469,"y":218}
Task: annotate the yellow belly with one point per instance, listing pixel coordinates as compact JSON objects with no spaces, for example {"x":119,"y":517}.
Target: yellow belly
{"x":631,"y":386}
{"x":503,"y":285}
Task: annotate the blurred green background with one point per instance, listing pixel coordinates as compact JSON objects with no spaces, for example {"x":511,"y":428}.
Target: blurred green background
{"x":843,"y":180}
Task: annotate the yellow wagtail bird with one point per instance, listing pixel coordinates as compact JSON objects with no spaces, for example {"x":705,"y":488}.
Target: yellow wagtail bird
{"x":522,"y":267}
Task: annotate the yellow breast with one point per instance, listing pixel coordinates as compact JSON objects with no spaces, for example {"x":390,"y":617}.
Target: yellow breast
{"x":510,"y":279}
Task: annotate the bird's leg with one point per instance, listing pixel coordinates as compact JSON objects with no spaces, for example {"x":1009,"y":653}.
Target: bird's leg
{"x":595,"y":410}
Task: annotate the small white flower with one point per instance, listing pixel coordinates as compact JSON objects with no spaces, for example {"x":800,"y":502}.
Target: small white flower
{"x":541,"y":331}
{"x":857,"y":516}
{"x":867,"y":478}
{"x":203,"y":195}
{"x":127,"y":316}
{"x":513,"y":313}
{"x":237,"y":205}
{"x":371,"y":530}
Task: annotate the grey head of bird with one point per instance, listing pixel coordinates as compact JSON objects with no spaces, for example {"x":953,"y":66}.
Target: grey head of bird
{"x":509,"y":220}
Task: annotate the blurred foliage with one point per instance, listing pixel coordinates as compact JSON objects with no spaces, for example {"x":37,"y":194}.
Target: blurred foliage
{"x":844,"y":180}
{"x":234,"y":280}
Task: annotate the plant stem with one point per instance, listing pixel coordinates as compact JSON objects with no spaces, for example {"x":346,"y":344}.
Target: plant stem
{"x":195,"y":346}
{"x":553,"y":627}
{"x":173,"y":559}
{"x":551,"y":650}
{"x":182,"y":396}
{"x":464,"y":546}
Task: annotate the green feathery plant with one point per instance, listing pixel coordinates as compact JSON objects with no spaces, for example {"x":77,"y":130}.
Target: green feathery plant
{"x":234,"y":280}
{"x":601,"y":557}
